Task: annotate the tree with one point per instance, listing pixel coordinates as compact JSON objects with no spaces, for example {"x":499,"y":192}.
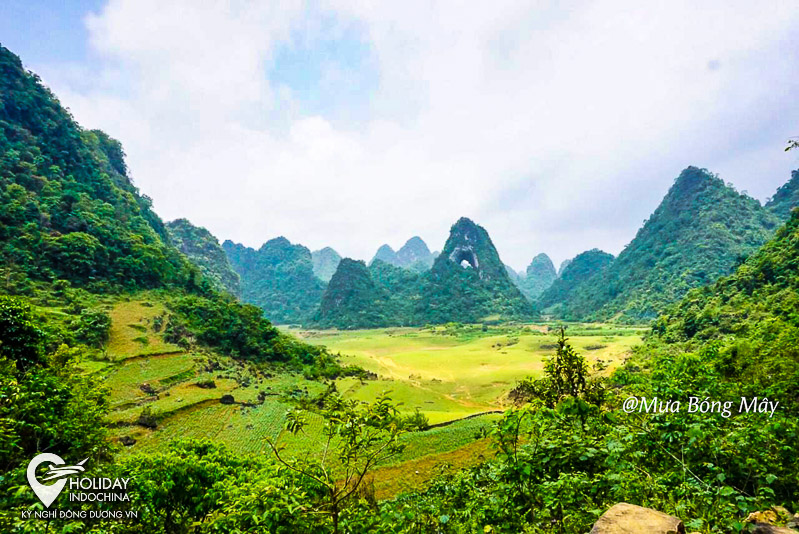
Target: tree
{"x":357,"y":438}
{"x":21,"y":341}
{"x":566,"y":377}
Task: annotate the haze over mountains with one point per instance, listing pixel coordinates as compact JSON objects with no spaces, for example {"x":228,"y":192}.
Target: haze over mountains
{"x":414,"y":254}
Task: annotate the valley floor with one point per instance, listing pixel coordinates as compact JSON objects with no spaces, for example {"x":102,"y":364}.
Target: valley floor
{"x":458,"y":376}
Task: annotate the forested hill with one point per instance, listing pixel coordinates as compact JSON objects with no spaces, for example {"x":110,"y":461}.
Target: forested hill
{"x":539,"y":276}
{"x":700,"y":232}
{"x":582,"y":269}
{"x":75,"y":232}
{"x":352,"y":300}
{"x":760,"y":298}
{"x":203,"y":249}
{"x":278,"y":278}
{"x":68,"y":209}
{"x":750,"y":317}
{"x":469,"y":282}
{"x":786,"y":198}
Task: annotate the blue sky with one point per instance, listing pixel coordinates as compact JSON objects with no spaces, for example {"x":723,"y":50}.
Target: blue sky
{"x":349,"y":124}
{"x":46,"y":32}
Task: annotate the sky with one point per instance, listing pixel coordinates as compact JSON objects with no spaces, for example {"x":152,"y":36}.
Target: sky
{"x":556,"y":126}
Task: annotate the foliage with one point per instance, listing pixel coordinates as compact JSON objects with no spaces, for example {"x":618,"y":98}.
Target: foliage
{"x":701,"y":231}
{"x":580,"y":270}
{"x":539,"y":276}
{"x":403,"y":288}
{"x":565,"y":375}
{"x":93,"y":327}
{"x":67,"y":207}
{"x":357,"y":438}
{"x":204,"y":251}
{"x":46,"y":404}
{"x":21,"y":341}
{"x":786,"y":198}
{"x":278,"y":278}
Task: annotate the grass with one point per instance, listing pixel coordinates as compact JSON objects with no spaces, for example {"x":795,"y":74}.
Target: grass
{"x":449,"y":373}
{"x":132,"y":332}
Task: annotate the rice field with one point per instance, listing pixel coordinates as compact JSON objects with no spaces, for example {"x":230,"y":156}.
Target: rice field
{"x":456,"y":376}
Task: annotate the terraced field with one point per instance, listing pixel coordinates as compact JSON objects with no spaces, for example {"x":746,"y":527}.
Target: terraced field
{"x":458,"y":378}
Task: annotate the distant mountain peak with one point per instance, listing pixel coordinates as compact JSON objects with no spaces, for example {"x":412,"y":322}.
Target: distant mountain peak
{"x":413,"y":255}
{"x":538,"y":277}
{"x":325,"y":263}
{"x":387,"y":254}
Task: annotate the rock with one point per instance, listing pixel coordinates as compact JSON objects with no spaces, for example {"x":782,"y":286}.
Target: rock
{"x":624,"y":518}
{"x":227,"y":399}
{"x":127,"y":441}
{"x":766,"y":516}
{"x":765,"y":528}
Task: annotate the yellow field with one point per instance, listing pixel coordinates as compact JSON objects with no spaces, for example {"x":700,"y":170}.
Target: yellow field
{"x":450,"y":376}
{"x":447,"y":373}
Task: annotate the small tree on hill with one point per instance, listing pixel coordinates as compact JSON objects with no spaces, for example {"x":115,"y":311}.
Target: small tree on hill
{"x":357,"y":437}
{"x":566,"y":376}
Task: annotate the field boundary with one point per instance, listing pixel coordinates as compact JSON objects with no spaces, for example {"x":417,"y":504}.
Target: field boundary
{"x":472,"y":416}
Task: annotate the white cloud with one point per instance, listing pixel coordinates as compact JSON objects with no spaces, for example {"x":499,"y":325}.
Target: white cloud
{"x":558,"y":129}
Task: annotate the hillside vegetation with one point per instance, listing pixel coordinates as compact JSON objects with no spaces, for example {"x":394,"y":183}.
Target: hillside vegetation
{"x":538,"y":277}
{"x":67,"y":206}
{"x":204,"y":251}
{"x":278,"y":278}
{"x":700,"y":232}
{"x":582,"y":269}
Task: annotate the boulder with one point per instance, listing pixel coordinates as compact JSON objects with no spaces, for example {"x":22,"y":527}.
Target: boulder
{"x":765,"y":528}
{"x":626,"y":518}
{"x":227,"y":399}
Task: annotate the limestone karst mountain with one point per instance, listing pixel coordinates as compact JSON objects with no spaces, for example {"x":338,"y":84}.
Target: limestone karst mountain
{"x":204,"y":250}
{"x":386,"y":254}
{"x":414,"y":254}
{"x":352,"y":299}
{"x":325,"y":262}
{"x":540,"y":274}
{"x":68,"y":209}
{"x":581,"y":269}
{"x":468,"y":282}
{"x":278,"y":278}
{"x":563,"y":265}
{"x":701,"y":231}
